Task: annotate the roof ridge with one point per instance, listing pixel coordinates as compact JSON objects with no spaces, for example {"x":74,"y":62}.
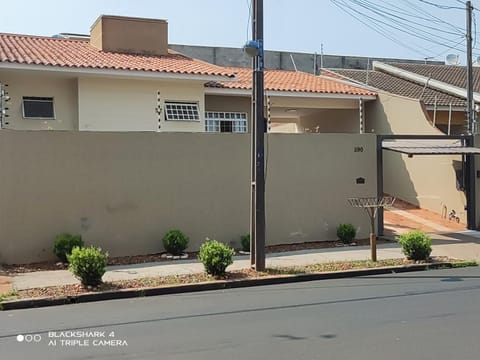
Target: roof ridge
{"x":42,"y":37}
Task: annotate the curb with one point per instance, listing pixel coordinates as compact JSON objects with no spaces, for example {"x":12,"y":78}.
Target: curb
{"x":217,"y":285}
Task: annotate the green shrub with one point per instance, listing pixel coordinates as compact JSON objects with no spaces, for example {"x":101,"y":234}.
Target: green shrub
{"x":245,"y":241}
{"x":88,"y":265}
{"x":215,"y":257}
{"x":346,"y":233}
{"x":64,"y":243}
{"x":416,"y":245}
{"x":175,"y":242}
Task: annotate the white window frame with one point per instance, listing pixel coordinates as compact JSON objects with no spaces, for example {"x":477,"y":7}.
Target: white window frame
{"x":39,"y":99}
{"x":239,"y":121}
{"x":190,"y":111}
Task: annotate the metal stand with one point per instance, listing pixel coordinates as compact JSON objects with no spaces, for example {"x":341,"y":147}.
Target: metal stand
{"x":371,"y":206}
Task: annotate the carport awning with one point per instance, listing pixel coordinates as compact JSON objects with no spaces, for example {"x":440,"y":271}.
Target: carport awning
{"x":429,"y":147}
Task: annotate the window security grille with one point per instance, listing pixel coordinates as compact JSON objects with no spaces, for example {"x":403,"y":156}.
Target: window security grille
{"x":233,"y":122}
{"x":182,"y":111}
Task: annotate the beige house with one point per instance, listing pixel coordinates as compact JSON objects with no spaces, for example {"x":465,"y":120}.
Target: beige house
{"x":123,"y":77}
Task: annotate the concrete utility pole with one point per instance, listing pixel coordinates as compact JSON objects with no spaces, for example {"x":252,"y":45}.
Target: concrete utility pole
{"x":257,"y":221}
{"x":470,"y":104}
{"x":472,"y":128}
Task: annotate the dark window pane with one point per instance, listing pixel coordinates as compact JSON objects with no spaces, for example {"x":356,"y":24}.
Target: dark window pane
{"x":226,"y":126}
{"x":38,"y":107}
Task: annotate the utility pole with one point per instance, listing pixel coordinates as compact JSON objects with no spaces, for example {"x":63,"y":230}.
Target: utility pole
{"x":257,"y":218}
{"x":469,"y":159}
{"x":470,"y":104}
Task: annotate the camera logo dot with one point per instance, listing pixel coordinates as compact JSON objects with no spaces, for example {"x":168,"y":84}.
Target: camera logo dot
{"x":29,"y":338}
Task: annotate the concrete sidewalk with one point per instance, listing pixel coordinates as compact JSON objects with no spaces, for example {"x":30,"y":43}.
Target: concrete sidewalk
{"x":462,"y":245}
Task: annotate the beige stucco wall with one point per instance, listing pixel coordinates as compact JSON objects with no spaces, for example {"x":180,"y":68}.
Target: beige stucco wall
{"x":310,"y":177}
{"x":107,"y":104}
{"x":331,"y":121}
{"x":392,"y":114}
{"x":130,"y":35}
{"x":286,"y":126}
{"x":123,"y":191}
{"x":62,"y":88}
{"x":229,"y":103}
{"x":426,"y":181}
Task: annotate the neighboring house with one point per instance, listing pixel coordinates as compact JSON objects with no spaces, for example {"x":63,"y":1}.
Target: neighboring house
{"x":440,"y":89}
{"x":123,"y":77}
{"x":418,"y":99}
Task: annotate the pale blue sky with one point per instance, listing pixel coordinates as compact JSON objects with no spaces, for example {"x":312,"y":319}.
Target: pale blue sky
{"x":293,"y":25}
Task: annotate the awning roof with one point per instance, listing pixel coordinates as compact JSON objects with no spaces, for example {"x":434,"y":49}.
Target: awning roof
{"x":429,"y":147}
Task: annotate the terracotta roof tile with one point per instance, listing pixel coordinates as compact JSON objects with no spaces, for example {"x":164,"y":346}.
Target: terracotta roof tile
{"x":26,"y":49}
{"x":293,"y":81}
{"x":398,"y":86}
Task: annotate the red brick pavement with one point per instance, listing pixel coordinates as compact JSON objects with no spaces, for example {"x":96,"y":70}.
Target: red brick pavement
{"x":396,"y":223}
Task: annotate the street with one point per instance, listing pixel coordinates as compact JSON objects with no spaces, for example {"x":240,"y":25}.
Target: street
{"x":420,"y":315}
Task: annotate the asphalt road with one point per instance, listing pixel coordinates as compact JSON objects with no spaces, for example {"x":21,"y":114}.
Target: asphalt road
{"x":422,"y":315}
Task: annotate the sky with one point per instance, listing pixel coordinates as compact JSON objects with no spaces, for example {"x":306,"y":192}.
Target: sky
{"x":290,"y":25}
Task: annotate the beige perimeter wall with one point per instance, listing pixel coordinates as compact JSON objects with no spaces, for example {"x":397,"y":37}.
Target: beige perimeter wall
{"x":123,"y":191}
{"x":426,"y":181}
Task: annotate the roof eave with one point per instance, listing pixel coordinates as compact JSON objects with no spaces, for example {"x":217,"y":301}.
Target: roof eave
{"x":303,"y":94}
{"x":139,"y":74}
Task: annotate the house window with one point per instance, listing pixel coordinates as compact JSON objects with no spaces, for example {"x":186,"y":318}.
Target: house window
{"x":233,"y":122}
{"x":182,"y":111}
{"x":38,"y":107}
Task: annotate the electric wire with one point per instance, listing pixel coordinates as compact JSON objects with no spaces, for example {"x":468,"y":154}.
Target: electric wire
{"x":412,"y":20}
{"x":443,"y":7}
{"x":404,"y":28}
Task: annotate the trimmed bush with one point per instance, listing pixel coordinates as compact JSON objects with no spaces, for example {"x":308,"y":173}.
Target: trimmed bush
{"x":346,"y":233}
{"x":64,"y":243}
{"x":215,"y":257}
{"x":175,"y":242}
{"x":245,"y":241}
{"x":88,"y":265}
{"x":416,"y":245}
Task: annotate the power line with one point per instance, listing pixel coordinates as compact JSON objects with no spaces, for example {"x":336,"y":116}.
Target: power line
{"x":443,"y":7}
{"x":381,"y":11}
{"x":430,"y":15}
{"x":378,"y":30}
{"x":384,"y":17}
{"x":414,"y":31}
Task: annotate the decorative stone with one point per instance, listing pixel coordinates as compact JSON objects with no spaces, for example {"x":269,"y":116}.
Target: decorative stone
{"x":176,"y":257}
{"x":241,"y":252}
